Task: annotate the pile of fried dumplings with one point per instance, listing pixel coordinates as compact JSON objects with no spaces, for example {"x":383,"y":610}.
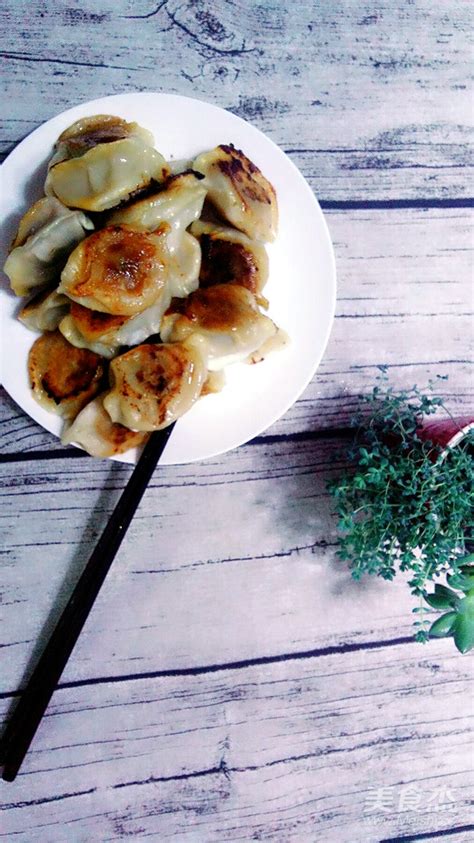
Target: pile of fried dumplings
{"x":145,"y":280}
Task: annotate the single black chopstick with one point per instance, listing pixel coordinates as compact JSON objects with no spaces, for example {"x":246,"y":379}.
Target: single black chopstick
{"x":34,"y":700}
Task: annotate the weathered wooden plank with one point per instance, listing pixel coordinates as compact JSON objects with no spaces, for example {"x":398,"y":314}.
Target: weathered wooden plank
{"x":372,"y":104}
{"x":404,"y":297}
{"x":227,"y":560}
{"x":232,"y":560}
{"x":350,"y":748}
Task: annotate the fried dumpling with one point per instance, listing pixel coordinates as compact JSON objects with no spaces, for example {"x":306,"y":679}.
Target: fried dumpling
{"x":229,"y":256}
{"x":184,"y":266}
{"x":63,"y":378}
{"x":240,"y":192}
{"x":152,"y":385}
{"x":178,"y":203}
{"x":100,"y":161}
{"x":45,"y":311}
{"x":94,"y":430}
{"x":169,"y":213}
{"x":88,"y":132}
{"x":117,"y":270}
{"x":47,"y":234}
{"x":223,"y":321}
{"x":92,"y":329}
{"x":105,"y":334}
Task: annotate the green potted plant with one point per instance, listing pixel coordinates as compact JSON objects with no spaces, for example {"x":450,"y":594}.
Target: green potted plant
{"x":406,"y":503}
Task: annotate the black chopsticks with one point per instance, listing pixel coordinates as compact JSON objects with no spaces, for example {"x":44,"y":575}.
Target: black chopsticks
{"x":34,"y":700}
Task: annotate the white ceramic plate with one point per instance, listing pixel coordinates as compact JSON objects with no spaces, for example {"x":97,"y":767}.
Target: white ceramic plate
{"x":301,"y":288}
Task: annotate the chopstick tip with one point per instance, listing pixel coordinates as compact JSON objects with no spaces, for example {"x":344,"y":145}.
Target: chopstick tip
{"x":9,"y":774}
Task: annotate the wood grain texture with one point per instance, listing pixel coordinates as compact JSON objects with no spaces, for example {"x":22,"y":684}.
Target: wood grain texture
{"x":379,"y":96}
{"x":404,"y":300}
{"x":296,"y":751}
{"x":233,"y":682}
{"x":228,"y":560}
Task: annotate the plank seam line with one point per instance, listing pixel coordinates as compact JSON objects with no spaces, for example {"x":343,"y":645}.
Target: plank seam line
{"x":178,"y":777}
{"x":53,"y":60}
{"x":27,"y":804}
{"x":383,"y":150}
{"x":227,"y":771}
{"x":394,"y":204}
{"x":429,"y":835}
{"x":25,"y":456}
{"x":72,"y":453}
{"x":259,"y":661}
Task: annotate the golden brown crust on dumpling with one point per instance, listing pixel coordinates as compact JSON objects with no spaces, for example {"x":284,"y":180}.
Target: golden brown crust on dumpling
{"x":63,"y":378}
{"x":93,"y":324}
{"x":99,"y":435}
{"x":128,"y":281}
{"x":240,"y":191}
{"x":116,"y":270}
{"x":223,"y":321}
{"x":219,"y":308}
{"x":223,"y":262}
{"x":125,"y":262}
{"x":119,"y":437}
{"x":247,"y":179}
{"x":89,"y":131}
{"x":152,"y":385}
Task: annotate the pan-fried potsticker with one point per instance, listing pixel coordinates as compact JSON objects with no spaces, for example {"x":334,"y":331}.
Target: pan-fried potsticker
{"x":239,"y":191}
{"x":185,"y":265}
{"x":169,"y":213}
{"x":224,"y":322}
{"x":45,"y":311}
{"x":152,"y":385}
{"x":117,"y":270}
{"x":229,"y":256}
{"x":122,"y":271}
{"x":63,"y":378}
{"x":47,"y":234}
{"x":94,"y":430}
{"x":100,"y":161}
{"x":106,"y":334}
{"x":88,"y":132}
{"x":179,"y":203}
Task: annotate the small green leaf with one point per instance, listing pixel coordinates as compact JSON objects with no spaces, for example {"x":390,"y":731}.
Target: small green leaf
{"x":443,"y":626}
{"x":438,"y":601}
{"x":463,"y":582}
{"x":447,"y":593}
{"x":421,"y":636}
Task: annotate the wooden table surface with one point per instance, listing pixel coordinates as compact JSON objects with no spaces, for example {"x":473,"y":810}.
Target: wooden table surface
{"x":232,"y":681}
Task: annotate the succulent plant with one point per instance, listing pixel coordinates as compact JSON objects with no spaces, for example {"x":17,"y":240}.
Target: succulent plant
{"x":458,"y":620}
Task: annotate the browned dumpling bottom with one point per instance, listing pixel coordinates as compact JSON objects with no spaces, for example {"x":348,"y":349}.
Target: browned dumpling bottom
{"x":116,"y":270}
{"x":63,"y":378}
